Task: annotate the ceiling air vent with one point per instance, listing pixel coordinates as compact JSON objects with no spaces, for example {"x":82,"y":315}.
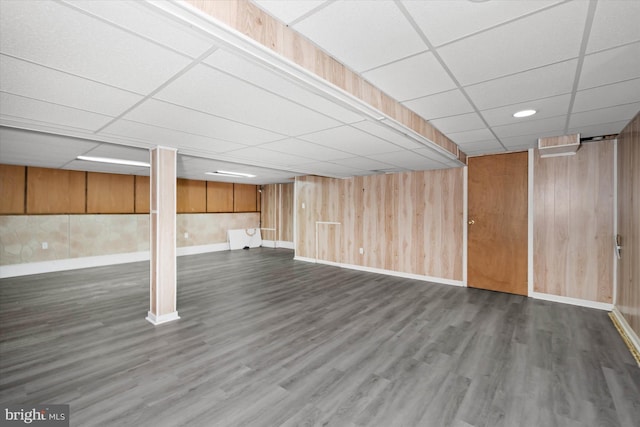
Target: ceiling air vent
{"x":565,"y":145}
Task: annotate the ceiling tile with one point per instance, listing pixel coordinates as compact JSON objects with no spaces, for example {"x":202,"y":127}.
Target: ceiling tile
{"x":482,"y":147}
{"x":612,"y":128}
{"x":444,"y":20}
{"x":135,"y":17}
{"x":351,"y":32}
{"x":178,"y":118}
{"x":542,"y":82}
{"x":37,"y":82}
{"x":411,"y":78}
{"x":604,"y":115}
{"x":288,"y":11}
{"x":115,"y":151}
{"x":528,"y":127}
{"x":607,"y":96}
{"x":267,"y":157}
{"x":443,"y":104}
{"x":408,"y":160}
{"x":326,"y":169}
{"x":529,"y":141}
{"x":546,"y":107}
{"x":610,"y":66}
{"x":364,"y":163}
{"x":57,"y":36}
{"x":471,"y":136}
{"x":45,"y":112}
{"x":541,"y":39}
{"x":298,"y":147}
{"x":463,"y":122}
{"x":80,"y":165}
{"x":351,"y":140}
{"x":391,"y":135}
{"x":615,"y":23}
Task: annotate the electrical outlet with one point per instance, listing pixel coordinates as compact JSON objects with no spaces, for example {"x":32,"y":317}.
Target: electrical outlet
{"x":45,"y":245}
{"x":303,"y":206}
{"x":361,"y":251}
{"x":186,"y":235}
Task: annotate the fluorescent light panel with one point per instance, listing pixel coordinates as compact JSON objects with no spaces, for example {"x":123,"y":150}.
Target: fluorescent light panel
{"x":524,"y":113}
{"x":231,"y":174}
{"x":114,"y":161}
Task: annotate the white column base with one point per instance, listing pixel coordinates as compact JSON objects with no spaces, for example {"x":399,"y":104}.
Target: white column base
{"x":164,"y":318}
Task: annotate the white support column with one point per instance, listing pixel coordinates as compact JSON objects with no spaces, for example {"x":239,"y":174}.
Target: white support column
{"x":163,"y":290}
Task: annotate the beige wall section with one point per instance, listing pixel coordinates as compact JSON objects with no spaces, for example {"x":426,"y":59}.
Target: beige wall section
{"x":573,"y":223}
{"x":409,"y":222}
{"x":21,"y":238}
{"x":628,"y":297}
{"x":205,"y":229}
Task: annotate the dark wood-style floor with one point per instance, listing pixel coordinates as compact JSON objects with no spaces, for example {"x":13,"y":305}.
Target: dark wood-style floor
{"x":268,"y":341}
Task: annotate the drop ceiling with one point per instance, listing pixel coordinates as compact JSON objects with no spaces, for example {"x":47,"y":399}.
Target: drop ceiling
{"x":113,"y":79}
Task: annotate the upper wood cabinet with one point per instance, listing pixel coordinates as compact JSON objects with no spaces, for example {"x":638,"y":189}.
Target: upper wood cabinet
{"x":245,"y":198}
{"x":191,"y":196}
{"x":110,"y":193}
{"x":12,"y":182}
{"x":55,"y":191}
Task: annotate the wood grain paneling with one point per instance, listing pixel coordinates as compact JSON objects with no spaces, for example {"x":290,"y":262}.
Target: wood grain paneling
{"x":628,"y":296}
{"x":191,"y":196}
{"x":109,"y":193}
{"x":498,"y":216}
{"x":249,"y":19}
{"x":142,"y":194}
{"x":55,"y":191}
{"x":409,"y":222}
{"x":219,"y":196}
{"x":270,"y":211}
{"x":244,"y":198}
{"x":12,"y":189}
{"x":573,"y":223}
{"x":285,"y":219}
{"x":555,"y":141}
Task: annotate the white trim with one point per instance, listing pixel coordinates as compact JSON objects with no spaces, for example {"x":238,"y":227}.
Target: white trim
{"x":631,"y":334}
{"x":277,"y":244}
{"x":202,"y":249}
{"x":615,"y":222}
{"x":385,"y":272}
{"x":530,"y":190}
{"x":572,"y":301}
{"x":163,"y":318}
{"x":284,"y":244}
{"x":465,"y":224}
{"x":295,"y":215}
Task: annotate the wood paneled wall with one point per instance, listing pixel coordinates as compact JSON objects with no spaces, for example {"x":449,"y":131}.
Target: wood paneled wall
{"x":32,"y":190}
{"x":573,"y":223}
{"x":276,"y":212}
{"x":628,"y":297}
{"x":249,"y":19}
{"x":408,"y":222}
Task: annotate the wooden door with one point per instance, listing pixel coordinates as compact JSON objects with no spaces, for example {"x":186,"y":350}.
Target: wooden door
{"x":497,"y":223}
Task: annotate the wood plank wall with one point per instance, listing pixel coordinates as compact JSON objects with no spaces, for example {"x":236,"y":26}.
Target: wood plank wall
{"x":276,"y":213}
{"x":628,"y":297}
{"x":34,"y":191}
{"x":248,"y":19}
{"x":573,"y":223}
{"x":408,"y":222}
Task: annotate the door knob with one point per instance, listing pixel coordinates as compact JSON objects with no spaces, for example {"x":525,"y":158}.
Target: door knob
{"x":471,"y":222}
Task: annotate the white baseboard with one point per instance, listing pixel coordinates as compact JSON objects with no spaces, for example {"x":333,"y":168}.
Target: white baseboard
{"x":284,"y":244}
{"x":572,"y":301}
{"x":631,"y":334}
{"x":163,"y":318}
{"x":385,"y":272}
{"x":277,"y":244}
{"x":16,"y":270}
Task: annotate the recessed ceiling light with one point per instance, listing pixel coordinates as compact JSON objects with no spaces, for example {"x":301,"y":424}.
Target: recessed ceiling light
{"x":114,"y":161}
{"x":231,"y":174}
{"x":524,"y":113}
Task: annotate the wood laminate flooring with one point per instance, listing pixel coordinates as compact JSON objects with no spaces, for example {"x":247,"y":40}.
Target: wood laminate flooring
{"x":267,"y":341}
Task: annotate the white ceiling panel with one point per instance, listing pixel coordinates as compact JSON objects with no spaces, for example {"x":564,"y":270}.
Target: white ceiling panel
{"x":301,"y":148}
{"x":80,"y":165}
{"x":528,"y":127}
{"x":22,"y":147}
{"x":443,"y":21}
{"x":37,"y":82}
{"x":398,"y":79}
{"x":288,"y":11}
{"x":615,"y":23}
{"x":43,"y":31}
{"x":604,"y":115}
{"x":351,"y":140}
{"x":362,"y":34}
{"x":135,"y":17}
{"x":182,"y":119}
{"x":408,"y":160}
{"x":365,"y":163}
{"x":155,"y":135}
{"x":518,"y":46}
{"x":115,"y":151}
{"x":546,"y":107}
{"x":328,"y":169}
{"x":539,"y":83}
{"x":610,"y":66}
{"x":471,"y":136}
{"x":381,"y":131}
{"x":612,"y":128}
{"x":607,"y":96}
{"x":528,"y":141}
{"x":253,"y":73}
{"x":460,"y":123}
{"x":482,"y":147}
{"x":443,"y":104}
{"x":45,"y":112}
{"x":265,"y":157}
{"x":198,"y":86}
